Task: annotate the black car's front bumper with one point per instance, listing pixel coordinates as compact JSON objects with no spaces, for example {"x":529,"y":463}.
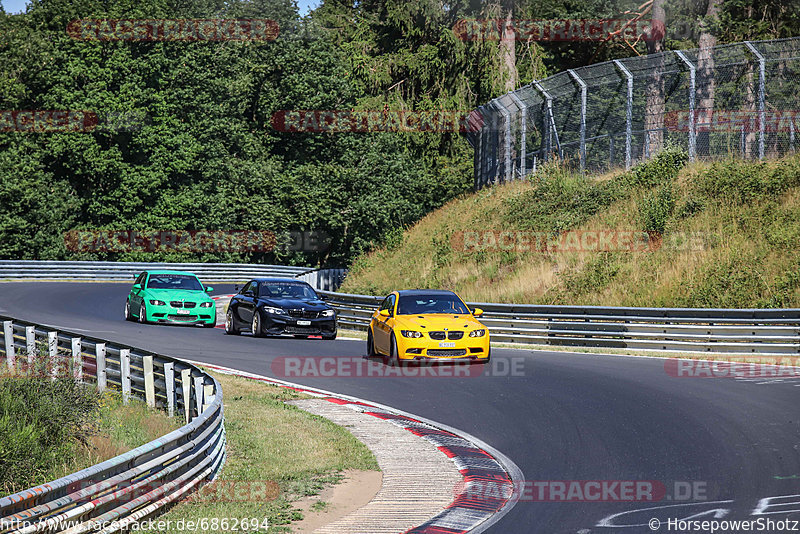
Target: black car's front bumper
{"x":283,"y":324}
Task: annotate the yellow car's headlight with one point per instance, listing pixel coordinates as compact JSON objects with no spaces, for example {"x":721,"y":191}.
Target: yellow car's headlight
{"x":411,"y":333}
{"x":478,"y":333}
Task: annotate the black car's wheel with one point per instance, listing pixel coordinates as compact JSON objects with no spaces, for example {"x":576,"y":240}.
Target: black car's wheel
{"x":255,"y":326}
{"x":143,"y":314}
{"x":394,"y":359}
{"x":370,"y":345}
{"x":128,"y":314}
{"x":230,"y":328}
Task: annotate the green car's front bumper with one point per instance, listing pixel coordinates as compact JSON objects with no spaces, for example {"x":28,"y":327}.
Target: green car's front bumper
{"x":170,"y":314}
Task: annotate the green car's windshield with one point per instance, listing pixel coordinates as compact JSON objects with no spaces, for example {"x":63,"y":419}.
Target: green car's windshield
{"x":286,"y":291}
{"x":420,"y":305}
{"x":174,"y":281}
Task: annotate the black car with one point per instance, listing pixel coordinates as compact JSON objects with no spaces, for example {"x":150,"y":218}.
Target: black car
{"x":274,"y":306}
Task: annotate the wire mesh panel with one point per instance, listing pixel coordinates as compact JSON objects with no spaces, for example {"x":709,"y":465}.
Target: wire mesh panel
{"x":738,"y":99}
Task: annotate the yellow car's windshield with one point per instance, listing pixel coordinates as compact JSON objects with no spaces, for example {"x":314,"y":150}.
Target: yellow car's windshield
{"x":424,"y":304}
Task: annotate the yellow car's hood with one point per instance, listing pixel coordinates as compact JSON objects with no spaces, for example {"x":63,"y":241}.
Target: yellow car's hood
{"x":436,"y":321}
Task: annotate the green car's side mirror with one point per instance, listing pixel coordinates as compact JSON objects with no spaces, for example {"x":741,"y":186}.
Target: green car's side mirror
{"x":209,"y":289}
{"x":137,"y":286}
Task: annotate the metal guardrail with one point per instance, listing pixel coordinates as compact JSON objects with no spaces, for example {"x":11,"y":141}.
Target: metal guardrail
{"x":113,"y":271}
{"x":762,"y":331}
{"x":117,"y":492}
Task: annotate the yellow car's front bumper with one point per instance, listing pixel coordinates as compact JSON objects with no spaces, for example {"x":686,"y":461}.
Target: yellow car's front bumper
{"x":422,"y":349}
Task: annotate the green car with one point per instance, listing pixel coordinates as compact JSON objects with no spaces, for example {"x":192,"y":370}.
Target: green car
{"x":170,"y":297}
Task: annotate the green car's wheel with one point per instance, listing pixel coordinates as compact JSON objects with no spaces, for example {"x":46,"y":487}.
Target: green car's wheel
{"x":143,"y":314}
{"x":230,"y":329}
{"x":255,"y":326}
{"x":128,"y":315}
{"x":370,"y":345}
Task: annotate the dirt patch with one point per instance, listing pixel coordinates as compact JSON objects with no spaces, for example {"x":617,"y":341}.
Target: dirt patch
{"x":334,"y":502}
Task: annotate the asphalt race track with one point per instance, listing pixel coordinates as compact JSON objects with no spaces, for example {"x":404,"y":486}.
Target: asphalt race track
{"x":562,"y":417}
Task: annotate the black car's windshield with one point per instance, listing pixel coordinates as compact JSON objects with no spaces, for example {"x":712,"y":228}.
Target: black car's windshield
{"x":174,"y":281}
{"x":422,"y":304}
{"x":279,"y":290}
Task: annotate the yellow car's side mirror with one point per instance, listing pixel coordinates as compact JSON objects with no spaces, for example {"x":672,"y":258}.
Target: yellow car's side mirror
{"x":477,"y":312}
{"x":384,"y":313}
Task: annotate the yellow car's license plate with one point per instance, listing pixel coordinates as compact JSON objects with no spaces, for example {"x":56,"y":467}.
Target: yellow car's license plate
{"x":446,"y":345}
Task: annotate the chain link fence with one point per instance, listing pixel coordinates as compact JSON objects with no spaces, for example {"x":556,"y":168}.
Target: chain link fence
{"x":738,"y":99}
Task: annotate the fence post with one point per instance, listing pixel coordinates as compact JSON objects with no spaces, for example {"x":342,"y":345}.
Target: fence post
{"x":692,"y":90}
{"x":169,"y":378}
{"x":125,"y":374}
{"x":761,"y":96}
{"x":8,"y":334}
{"x":186,"y":375}
{"x":506,"y":142}
{"x":100,"y":358}
{"x":791,"y":134}
{"x":548,"y":120}
{"x":523,"y":126}
{"x":582,"y":85}
{"x":77,"y":359}
{"x":149,"y":382}
{"x":30,"y":345}
{"x":52,"y":352}
{"x":628,"y":112}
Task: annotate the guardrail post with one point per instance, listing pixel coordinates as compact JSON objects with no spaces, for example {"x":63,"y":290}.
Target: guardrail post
{"x":761,"y":96}
{"x":52,"y":352}
{"x":100,"y":358}
{"x":208,"y":395}
{"x":692,"y":91}
{"x":198,"y":394}
{"x":149,"y":384}
{"x":30,"y":345}
{"x":125,"y":374}
{"x":8,"y":334}
{"x":169,"y":378}
{"x":186,"y":375}
{"x":628,"y":112}
{"x":77,"y":359}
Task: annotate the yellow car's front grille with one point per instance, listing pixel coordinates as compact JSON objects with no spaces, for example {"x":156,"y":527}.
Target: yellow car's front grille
{"x":441,"y":335}
{"x":446,"y":353}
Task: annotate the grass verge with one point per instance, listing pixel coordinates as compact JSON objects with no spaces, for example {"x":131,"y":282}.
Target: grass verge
{"x":270,"y":443}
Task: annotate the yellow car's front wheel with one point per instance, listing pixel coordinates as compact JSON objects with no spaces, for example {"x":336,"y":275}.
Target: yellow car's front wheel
{"x":394,"y":359}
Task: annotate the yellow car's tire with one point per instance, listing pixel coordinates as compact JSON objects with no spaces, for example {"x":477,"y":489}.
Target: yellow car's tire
{"x":370,"y":345}
{"x":394,"y":359}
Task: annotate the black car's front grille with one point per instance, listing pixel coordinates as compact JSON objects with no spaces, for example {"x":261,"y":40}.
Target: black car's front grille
{"x":438,"y":335}
{"x":305,"y":314}
{"x":179,"y":304}
{"x":443,"y":353}
{"x":301,"y":330}
{"x":455,"y":334}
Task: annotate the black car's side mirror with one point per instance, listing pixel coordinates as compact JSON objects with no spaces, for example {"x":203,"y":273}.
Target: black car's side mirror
{"x":248,"y":294}
{"x":322,"y":297}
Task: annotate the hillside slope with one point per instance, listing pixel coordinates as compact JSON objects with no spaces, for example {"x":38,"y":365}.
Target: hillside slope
{"x":719,"y":234}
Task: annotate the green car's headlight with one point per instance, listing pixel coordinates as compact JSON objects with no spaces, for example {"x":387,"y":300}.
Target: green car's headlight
{"x":478,"y":333}
{"x":158,"y":303}
{"x":206,"y":304}
{"x":411,"y":333}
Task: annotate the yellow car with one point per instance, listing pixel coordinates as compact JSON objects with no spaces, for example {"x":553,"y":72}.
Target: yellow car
{"x":427,"y":325}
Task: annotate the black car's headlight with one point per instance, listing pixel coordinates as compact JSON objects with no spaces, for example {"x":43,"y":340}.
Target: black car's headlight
{"x":411,"y":333}
{"x":274,"y":311}
{"x":478,"y":333}
{"x":206,"y":304}
{"x":326,"y":313}
{"x":158,"y":303}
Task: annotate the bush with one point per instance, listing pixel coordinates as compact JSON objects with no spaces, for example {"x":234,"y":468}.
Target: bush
{"x":656,"y":209}
{"x":42,"y":421}
{"x":662,"y":168}
{"x":741,"y":182}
